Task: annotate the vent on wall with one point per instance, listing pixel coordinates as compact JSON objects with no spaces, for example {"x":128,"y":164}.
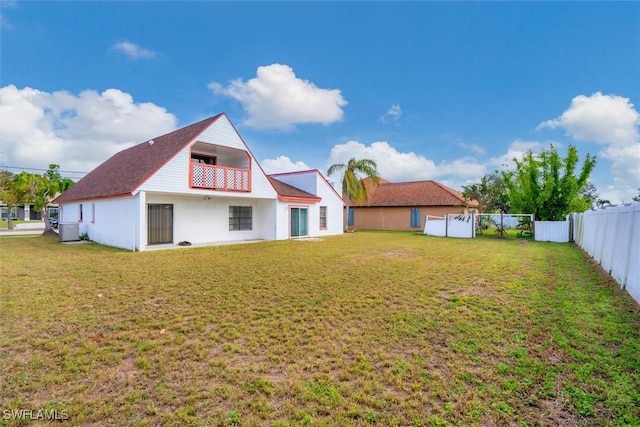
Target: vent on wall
{"x":69,"y":232}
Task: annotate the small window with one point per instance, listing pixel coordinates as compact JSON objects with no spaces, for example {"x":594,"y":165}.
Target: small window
{"x":323,"y":217}
{"x":93,"y":213}
{"x":201,"y":158}
{"x":240,"y":218}
{"x":80,"y":212}
{"x":6,"y":212}
{"x":415,"y":217}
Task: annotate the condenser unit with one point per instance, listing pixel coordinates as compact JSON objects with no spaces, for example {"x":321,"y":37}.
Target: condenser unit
{"x":69,"y":232}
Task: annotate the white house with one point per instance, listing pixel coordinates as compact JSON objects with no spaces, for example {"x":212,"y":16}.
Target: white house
{"x":198,"y":184}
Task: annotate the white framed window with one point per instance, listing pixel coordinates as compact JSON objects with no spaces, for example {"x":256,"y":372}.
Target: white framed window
{"x":240,"y":218}
{"x":323,"y":217}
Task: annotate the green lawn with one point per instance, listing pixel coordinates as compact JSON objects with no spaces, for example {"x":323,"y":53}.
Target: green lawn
{"x":368,"y":328}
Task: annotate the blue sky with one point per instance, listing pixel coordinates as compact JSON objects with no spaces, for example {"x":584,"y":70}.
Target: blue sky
{"x":429,"y":90}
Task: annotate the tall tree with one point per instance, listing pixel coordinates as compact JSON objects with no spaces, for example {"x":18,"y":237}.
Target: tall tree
{"x":490,"y":193}
{"x":353,"y":188}
{"x":13,"y":193}
{"x":591,"y":197}
{"x":42,"y":189}
{"x":49,"y":186}
{"x":546,"y":185}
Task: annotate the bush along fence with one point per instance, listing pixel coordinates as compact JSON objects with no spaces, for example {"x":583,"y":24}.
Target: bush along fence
{"x":611,"y":237}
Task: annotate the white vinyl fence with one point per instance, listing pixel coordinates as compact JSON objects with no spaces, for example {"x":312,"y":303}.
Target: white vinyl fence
{"x":451,"y":225}
{"x":551,"y":231}
{"x":612,"y":237}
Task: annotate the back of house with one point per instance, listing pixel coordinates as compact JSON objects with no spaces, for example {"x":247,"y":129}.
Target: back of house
{"x":197,"y":185}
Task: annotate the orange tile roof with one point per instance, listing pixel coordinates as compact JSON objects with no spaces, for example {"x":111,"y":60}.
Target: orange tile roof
{"x":415,"y":193}
{"x":127,"y":170}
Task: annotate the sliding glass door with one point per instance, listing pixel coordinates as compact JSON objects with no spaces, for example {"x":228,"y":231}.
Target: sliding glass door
{"x":159,"y":224}
{"x":299,"y":222}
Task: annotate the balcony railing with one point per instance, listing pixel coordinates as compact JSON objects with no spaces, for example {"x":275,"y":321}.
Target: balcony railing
{"x":222,"y":178}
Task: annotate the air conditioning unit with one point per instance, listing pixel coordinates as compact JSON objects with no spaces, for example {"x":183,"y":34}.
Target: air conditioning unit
{"x":69,"y":231}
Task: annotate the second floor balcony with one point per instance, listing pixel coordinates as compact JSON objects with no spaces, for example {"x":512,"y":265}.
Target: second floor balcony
{"x":220,"y":168}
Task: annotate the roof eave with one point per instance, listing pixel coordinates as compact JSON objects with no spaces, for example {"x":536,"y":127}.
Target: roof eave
{"x":299,"y":199}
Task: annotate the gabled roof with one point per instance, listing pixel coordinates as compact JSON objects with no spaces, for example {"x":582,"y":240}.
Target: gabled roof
{"x":127,"y":170}
{"x":289,"y":193}
{"x":415,"y":193}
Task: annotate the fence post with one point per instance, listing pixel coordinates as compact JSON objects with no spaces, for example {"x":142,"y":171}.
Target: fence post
{"x":533,"y":226}
{"x":446,"y":225}
{"x":570,"y":218}
{"x":473,"y":225}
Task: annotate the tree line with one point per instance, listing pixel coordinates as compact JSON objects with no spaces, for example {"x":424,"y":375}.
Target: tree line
{"x":31,"y":189}
{"x":546,"y":185}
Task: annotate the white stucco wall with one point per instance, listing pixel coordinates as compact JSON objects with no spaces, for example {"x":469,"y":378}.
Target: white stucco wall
{"x":112,"y":222}
{"x":312,"y":182}
{"x":198,"y":220}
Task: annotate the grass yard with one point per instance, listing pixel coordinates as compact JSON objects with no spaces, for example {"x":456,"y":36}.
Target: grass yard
{"x":368,"y":328}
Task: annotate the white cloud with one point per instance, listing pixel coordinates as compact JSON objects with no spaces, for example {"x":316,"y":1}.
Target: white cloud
{"x":4,"y":22}
{"x":474,"y":148}
{"x":78,"y":132}
{"x":133,"y":51}
{"x":517,"y":149}
{"x":397,"y":167}
{"x":392,"y":115}
{"x":612,"y":121}
{"x":277,"y":99}
{"x":605,"y":119}
{"x":282,"y":164}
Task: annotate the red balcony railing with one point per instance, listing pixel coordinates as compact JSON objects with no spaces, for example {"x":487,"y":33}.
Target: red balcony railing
{"x":222,"y":178}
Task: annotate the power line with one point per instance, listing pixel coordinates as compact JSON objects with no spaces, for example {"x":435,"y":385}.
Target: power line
{"x":37,"y":169}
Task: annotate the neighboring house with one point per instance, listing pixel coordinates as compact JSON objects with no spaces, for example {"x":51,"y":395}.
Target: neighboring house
{"x":405,"y":205}
{"x":199,"y":184}
{"x":26,"y":212}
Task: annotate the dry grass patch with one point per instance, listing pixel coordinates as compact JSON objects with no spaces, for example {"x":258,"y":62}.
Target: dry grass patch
{"x":359,"y":329}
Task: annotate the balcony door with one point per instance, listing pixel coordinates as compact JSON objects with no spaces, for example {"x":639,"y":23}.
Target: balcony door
{"x":299,"y":222}
{"x":159,"y":224}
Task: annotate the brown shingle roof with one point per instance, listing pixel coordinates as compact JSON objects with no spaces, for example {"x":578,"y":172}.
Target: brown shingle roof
{"x":415,"y":193}
{"x":125,"y":171}
{"x":289,"y":192}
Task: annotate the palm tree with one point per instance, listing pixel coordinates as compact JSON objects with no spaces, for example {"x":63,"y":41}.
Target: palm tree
{"x":353,"y":188}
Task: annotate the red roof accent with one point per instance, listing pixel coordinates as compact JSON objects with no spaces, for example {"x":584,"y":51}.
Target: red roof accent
{"x":127,"y":170}
{"x":415,"y":193}
{"x":289,"y":193}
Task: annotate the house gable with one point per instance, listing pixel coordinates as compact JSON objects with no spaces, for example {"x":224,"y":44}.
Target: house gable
{"x":311,"y":181}
{"x":174,"y":176}
{"x":124,"y":172}
{"x":162,"y":164}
